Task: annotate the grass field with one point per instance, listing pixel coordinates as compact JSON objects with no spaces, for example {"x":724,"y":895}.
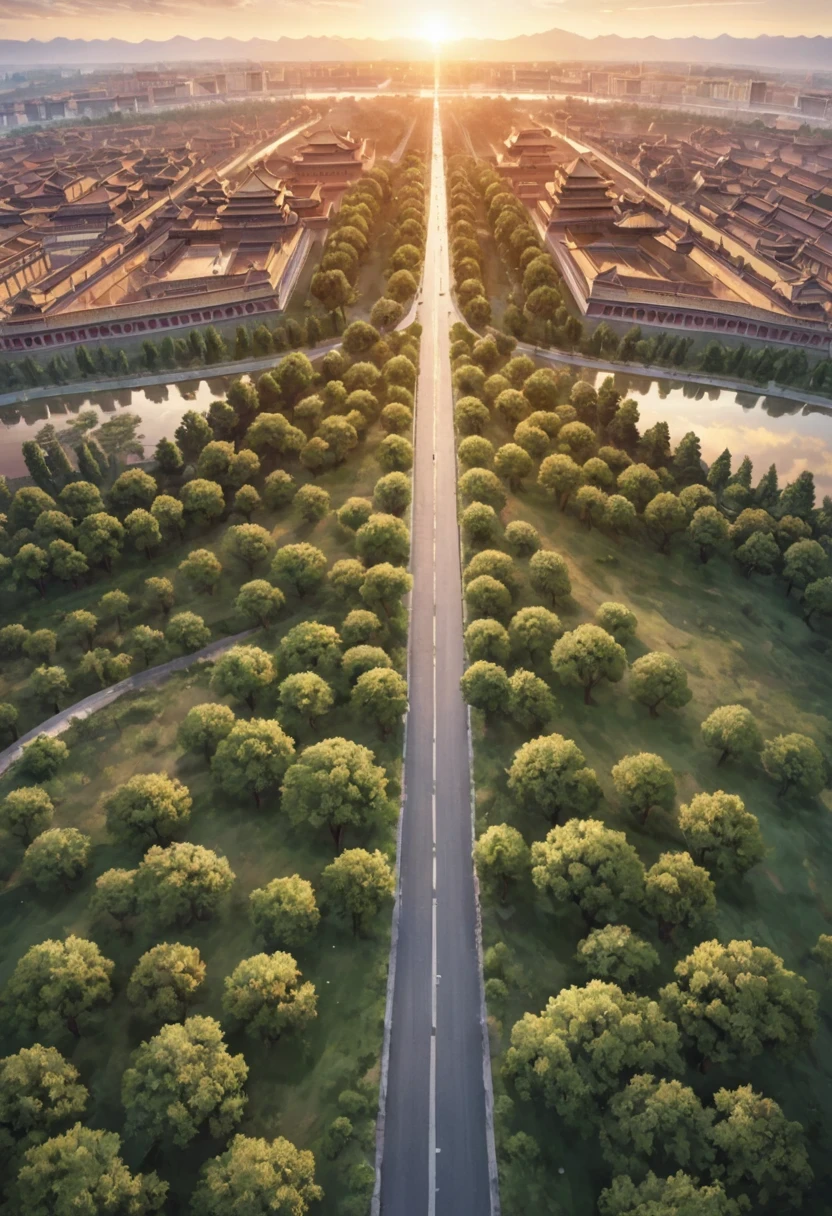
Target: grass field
{"x":293,"y":1086}
{"x":740,"y":642}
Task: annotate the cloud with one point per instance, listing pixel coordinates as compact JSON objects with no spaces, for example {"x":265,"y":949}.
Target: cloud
{"x":53,"y":10}
{"x":655,"y":8}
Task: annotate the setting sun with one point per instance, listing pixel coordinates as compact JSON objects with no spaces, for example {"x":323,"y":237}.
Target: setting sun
{"x":435,"y":28}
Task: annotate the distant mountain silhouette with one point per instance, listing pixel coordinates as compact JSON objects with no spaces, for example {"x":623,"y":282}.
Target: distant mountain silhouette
{"x":551,"y":45}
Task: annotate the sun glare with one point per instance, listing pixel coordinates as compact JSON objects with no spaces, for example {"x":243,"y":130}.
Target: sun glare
{"x":435,"y":28}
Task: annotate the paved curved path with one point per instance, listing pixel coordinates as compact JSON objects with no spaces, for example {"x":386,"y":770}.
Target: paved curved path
{"x":60,"y":722}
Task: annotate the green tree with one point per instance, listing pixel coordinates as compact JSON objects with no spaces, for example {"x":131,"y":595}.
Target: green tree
{"x":487,"y":640}
{"x":202,"y":569}
{"x":586,"y":656}
{"x":205,"y":726}
{"x":307,"y":645}
{"x":360,"y":627}
{"x":732,"y":730}
{"x":41,"y":644}
{"x":560,"y":476}
{"x":380,"y":695}
{"x":534,"y":631}
{"x":115,"y":895}
{"x":202,"y":500}
{"x":383,"y":538}
{"x":708,"y":530}
{"x":658,"y":1122}
{"x":26,"y":812}
{"x":81,"y":1171}
{"x":250,"y":544}
{"x":796,"y":763}
{"x":679,"y":1193}
{"x":8,"y":719}
{"x":242,"y":673}
{"x":346,"y":578}
{"x":132,"y":490}
{"x":251,"y":1173}
{"x":247,"y":501}
{"x":253,"y":758}
{"x":392,"y":493}
{"x":306,"y":695}
{"x":501,"y":856}
{"x":187,"y":631}
{"x":300,"y":566}
{"x":576,"y":1053}
{"x":165,"y":982}
{"x":182,"y":1080}
{"x":56,"y":857}
{"x":114,"y":606}
{"x":677,"y":892}
{"x":49,"y":684}
{"x":39,"y":1091}
{"x":168,"y":457}
{"x":659,"y":679}
{"x":43,"y":757}
{"x":737,"y":1001}
{"x":721,"y":833}
{"x":530,"y":701}
{"x":265,"y":994}
{"x":56,"y":984}
{"x":31,"y":563}
{"x":617,"y":620}
{"x":758,"y":555}
{"x":616,"y":953}
{"x":143,"y":530}
{"x":664,"y":516}
{"x":384,"y":586}
{"x":331,"y":288}
{"x":260,"y":602}
{"x":354,"y":513}
{"x":639,"y":484}
{"x":150,"y":807}
{"x":337,"y":784}
{"x":590,"y":865}
{"x":644,"y":782}
{"x":312,"y":503}
{"x":804,"y":562}
{"x":357,"y":883}
{"x":100,"y":537}
{"x":169,"y":514}
{"x":758,"y":1149}
{"x":80,"y":627}
{"x":719,"y":473}
{"x":146,"y":641}
{"x":817,"y":598}
{"x":479,"y":524}
{"x":549,"y":775}
{"x":159,"y":595}
{"x":284,"y":912}
{"x":485,"y":686}
{"x":549,"y":574}
{"x":181,"y":883}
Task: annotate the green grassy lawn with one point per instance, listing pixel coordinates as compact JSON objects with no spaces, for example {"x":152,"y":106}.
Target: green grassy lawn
{"x":741,"y":642}
{"x":293,"y":1085}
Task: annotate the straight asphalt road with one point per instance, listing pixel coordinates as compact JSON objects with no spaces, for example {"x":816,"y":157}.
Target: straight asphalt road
{"x":435,"y":1157}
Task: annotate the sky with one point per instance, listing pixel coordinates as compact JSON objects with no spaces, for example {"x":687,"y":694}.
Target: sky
{"x":139,"y":19}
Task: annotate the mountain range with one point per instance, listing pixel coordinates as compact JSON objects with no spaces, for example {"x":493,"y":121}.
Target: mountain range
{"x":790,"y":53}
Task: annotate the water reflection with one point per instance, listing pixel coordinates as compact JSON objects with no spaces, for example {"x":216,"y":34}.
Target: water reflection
{"x":768,"y":429}
{"x":160,"y":407}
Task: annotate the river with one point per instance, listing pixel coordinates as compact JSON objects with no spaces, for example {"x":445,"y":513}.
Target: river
{"x":768,"y":429}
